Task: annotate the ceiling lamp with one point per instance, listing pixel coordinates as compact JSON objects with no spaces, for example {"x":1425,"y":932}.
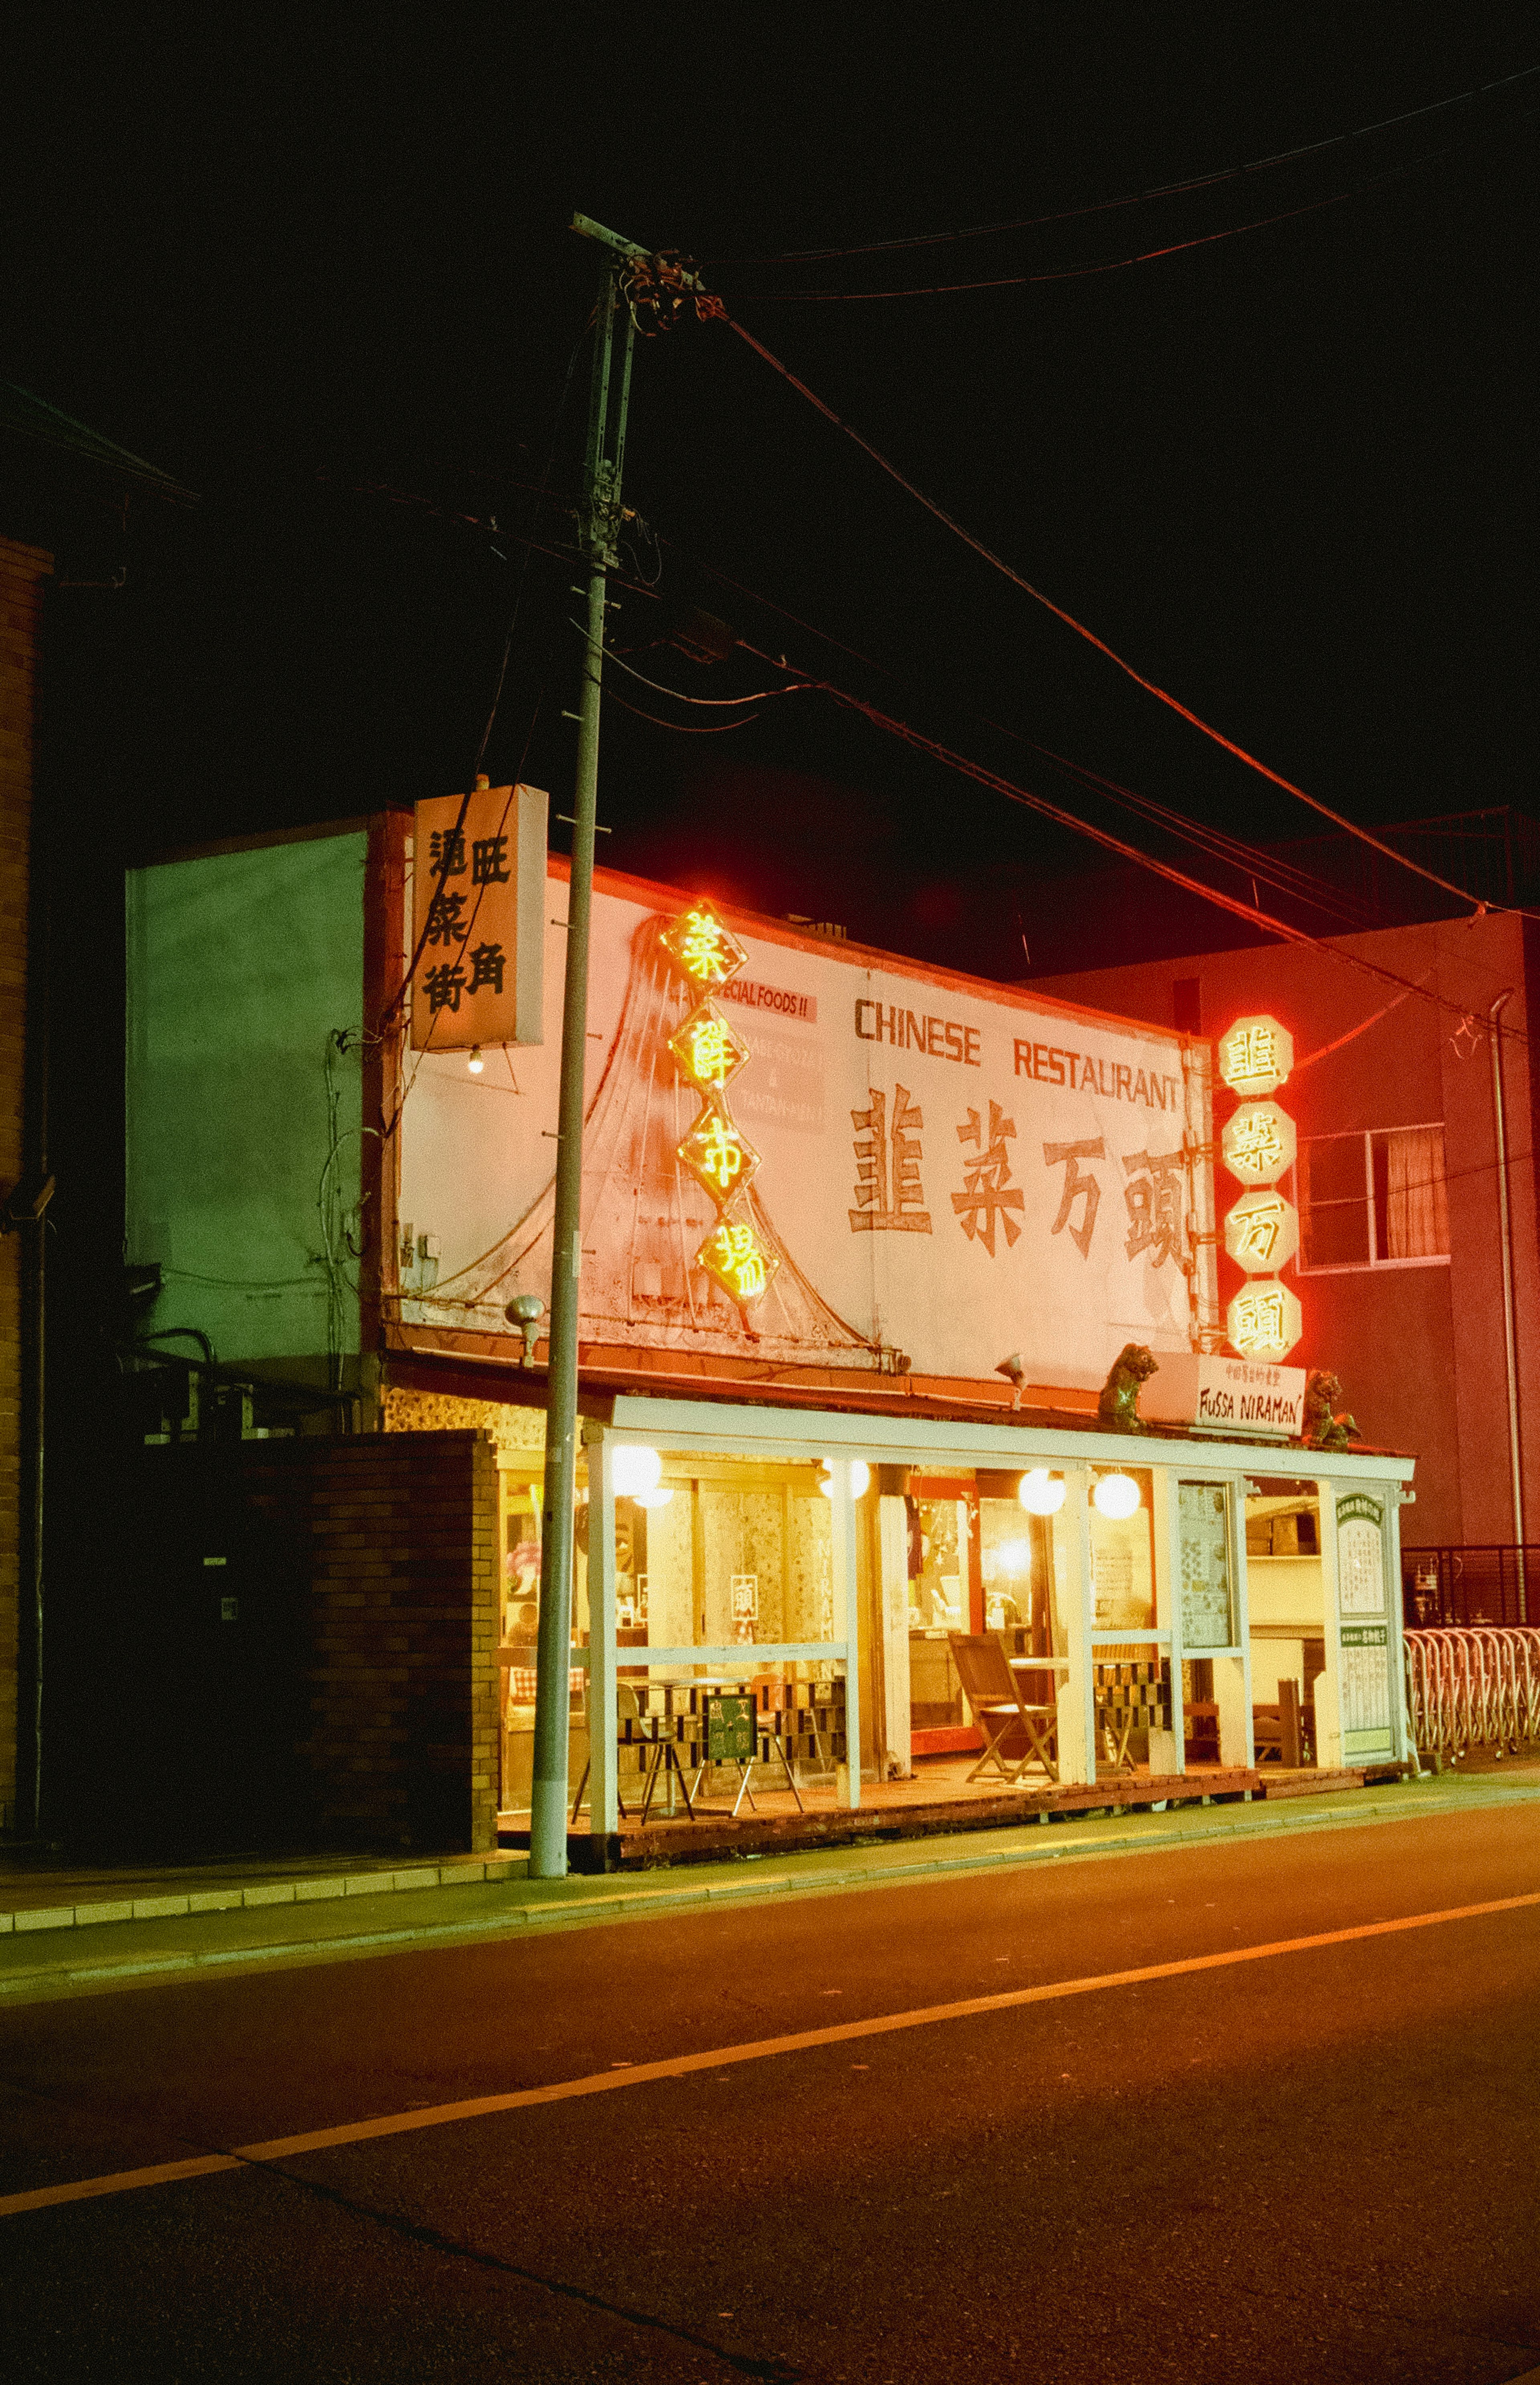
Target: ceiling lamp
{"x":1116,"y":1495}
{"x":637,"y":1470}
{"x":475,"y":1063}
{"x":1013,"y":1558}
{"x":1041,"y":1494}
{"x":861,"y":1478}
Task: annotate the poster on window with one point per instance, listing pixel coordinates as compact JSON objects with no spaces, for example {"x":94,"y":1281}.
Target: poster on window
{"x":806,"y":1153}
{"x":1204,"y":1529}
{"x":1122,"y":1575}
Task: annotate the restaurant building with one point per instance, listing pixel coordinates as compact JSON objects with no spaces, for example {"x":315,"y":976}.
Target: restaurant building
{"x":863,"y":1241}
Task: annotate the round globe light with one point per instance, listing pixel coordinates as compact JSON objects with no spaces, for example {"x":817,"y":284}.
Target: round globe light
{"x":636,"y":1471}
{"x":1116,"y":1495}
{"x":1041,"y":1494}
{"x":1013,"y":1558}
{"x":861,"y":1478}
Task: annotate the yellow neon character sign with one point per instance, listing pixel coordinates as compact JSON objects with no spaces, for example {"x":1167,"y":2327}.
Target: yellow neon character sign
{"x":702,"y":946}
{"x":707,"y":1049}
{"x":1261,"y":1233}
{"x":740,"y":1262}
{"x":1256,"y":1057}
{"x":1265,"y":1322}
{"x":717,"y":1156}
{"x":1259,"y":1142}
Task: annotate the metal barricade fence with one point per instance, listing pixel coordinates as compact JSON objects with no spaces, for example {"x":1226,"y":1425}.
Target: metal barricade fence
{"x":1476,"y":1688}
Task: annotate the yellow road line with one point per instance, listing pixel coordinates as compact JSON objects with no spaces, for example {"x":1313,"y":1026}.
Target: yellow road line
{"x":682,"y":2066}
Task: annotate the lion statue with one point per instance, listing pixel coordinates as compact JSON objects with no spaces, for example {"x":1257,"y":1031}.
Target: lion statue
{"x":1118,"y":1408}
{"x":1324,"y":1429}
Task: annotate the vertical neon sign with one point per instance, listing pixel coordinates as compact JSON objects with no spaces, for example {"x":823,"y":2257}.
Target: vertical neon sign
{"x":710,"y":1051}
{"x":1259,"y":1146}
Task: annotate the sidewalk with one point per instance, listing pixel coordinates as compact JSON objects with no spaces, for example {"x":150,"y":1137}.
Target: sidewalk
{"x":308,"y":1916}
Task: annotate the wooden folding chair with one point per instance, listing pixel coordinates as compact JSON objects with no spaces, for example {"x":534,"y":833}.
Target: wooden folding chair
{"x":1011,"y":1727}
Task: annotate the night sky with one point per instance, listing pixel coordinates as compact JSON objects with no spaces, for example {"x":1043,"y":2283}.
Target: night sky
{"x":319,"y":270}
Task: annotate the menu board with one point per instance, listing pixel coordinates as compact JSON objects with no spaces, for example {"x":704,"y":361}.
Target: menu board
{"x":1365,"y":1677}
{"x":1360,"y":1555}
{"x":1204,"y":1523}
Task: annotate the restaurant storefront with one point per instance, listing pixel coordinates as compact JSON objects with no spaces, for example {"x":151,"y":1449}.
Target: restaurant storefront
{"x":863,"y":1242}
{"x":761,"y":1591}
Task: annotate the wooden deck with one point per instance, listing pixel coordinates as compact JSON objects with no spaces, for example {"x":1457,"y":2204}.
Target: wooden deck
{"x":938,"y":1801}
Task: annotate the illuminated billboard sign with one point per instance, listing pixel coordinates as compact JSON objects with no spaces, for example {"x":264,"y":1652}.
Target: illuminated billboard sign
{"x":805,"y":1154}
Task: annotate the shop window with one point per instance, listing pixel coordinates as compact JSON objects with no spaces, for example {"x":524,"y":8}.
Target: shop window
{"x":1373,"y":1200}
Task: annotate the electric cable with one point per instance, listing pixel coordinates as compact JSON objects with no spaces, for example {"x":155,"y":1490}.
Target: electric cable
{"x":1156,"y":191}
{"x":762,"y":695}
{"x":717,"y":311}
{"x":1106,"y":264}
{"x":1014,"y":793}
{"x":684,"y":727}
{"x":1257,"y":861}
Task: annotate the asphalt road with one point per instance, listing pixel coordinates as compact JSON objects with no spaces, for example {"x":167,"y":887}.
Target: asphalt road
{"x":1321,"y":2163}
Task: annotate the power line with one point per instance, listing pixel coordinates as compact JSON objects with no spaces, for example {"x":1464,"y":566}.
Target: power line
{"x":1140,"y":198}
{"x":1254,"y":860}
{"x":1088,"y":272}
{"x":715,"y":309}
{"x":1015,"y":793}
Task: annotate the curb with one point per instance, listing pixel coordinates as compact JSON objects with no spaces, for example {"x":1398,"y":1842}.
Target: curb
{"x":1260,"y":1816}
{"x":616,"y":1904}
{"x":309,"y":1890}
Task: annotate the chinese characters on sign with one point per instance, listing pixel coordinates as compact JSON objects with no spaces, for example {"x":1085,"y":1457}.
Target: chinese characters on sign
{"x":739,"y":1261}
{"x":888,"y":1194}
{"x":717,"y":1157}
{"x":703,"y":947}
{"x":986,"y":1177}
{"x":1261,"y":1233}
{"x":1259,"y":1142}
{"x":1257,"y":1056}
{"x":1068,"y":1156}
{"x":708,"y":1051}
{"x":1154,"y":1199}
{"x":478,"y":920}
{"x":1265,"y":1322}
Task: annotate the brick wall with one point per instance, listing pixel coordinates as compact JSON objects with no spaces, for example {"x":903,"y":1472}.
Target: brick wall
{"x":22,"y":569}
{"x":401,"y":1533}
{"x":348,"y":1698}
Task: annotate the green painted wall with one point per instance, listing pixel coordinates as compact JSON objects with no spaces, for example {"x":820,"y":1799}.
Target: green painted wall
{"x":240,"y":965}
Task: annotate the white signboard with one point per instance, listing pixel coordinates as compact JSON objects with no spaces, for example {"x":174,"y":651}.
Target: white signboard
{"x":1365,"y":1683}
{"x":1360,"y":1555}
{"x":1227,"y":1395}
{"x":1203,"y":1515}
{"x":937,"y":1172}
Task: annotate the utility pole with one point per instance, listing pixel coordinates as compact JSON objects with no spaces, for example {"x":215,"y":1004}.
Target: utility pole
{"x":600,"y":521}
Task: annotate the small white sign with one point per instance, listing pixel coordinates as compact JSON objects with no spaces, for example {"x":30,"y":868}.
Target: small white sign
{"x":1226,"y":1396}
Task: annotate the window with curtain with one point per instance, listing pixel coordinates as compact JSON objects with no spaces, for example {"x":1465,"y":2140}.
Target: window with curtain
{"x":1412,"y":1214}
{"x":1373,"y":1199}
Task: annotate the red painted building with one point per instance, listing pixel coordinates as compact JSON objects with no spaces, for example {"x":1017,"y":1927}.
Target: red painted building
{"x":1406,"y":1252}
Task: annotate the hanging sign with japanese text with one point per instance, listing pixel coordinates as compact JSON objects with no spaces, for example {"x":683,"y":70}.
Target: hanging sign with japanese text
{"x":479,"y":922}
{"x":800,"y":1152}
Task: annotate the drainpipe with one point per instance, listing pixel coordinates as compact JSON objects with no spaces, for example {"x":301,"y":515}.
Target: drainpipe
{"x":1499,"y":1115}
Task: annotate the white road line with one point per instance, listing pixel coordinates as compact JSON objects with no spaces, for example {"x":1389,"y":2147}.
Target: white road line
{"x":605,"y":2082}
